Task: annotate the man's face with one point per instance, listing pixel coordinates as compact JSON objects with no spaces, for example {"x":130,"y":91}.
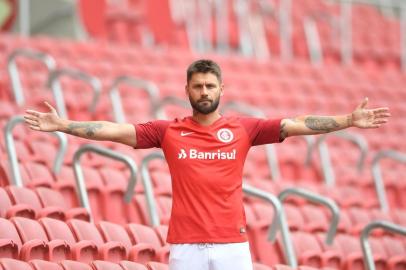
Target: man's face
{"x":204,"y":91}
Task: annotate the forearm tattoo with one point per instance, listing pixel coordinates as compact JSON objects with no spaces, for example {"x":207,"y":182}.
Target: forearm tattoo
{"x":283,"y":134}
{"x":319,"y":123}
{"x":89,"y":129}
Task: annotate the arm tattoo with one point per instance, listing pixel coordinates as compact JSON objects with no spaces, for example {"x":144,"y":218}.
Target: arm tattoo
{"x":90,"y":128}
{"x":283,"y":133}
{"x":326,"y":124}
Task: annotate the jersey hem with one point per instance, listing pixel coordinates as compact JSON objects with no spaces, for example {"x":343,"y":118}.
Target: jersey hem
{"x":209,"y":240}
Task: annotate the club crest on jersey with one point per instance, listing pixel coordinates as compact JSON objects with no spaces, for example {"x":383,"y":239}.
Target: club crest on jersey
{"x":225,"y":135}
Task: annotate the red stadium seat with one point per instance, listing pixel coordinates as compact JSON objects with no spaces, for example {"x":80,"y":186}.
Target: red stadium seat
{"x":157,"y":266}
{"x":52,"y":199}
{"x":81,"y":250}
{"x":104,"y":265}
{"x":144,"y":234}
{"x":140,"y":252}
{"x":11,"y":264}
{"x":8,"y":210}
{"x":44,"y":265}
{"x":10,"y":242}
{"x":111,"y":251}
{"x":128,"y":265}
{"x":74,"y":265}
{"x":36,"y":244}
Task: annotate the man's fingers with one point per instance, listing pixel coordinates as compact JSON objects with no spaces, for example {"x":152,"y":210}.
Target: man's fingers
{"x":34,"y":127}
{"x":35,"y":113}
{"x":381,"y":110}
{"x":383,"y":115}
{"x":27,"y":116}
{"x":32,"y":122}
{"x":363,"y":103}
{"x":49,"y":106}
{"x":382,"y":121}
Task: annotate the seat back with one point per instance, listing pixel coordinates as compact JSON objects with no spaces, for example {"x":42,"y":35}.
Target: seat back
{"x":56,"y":229}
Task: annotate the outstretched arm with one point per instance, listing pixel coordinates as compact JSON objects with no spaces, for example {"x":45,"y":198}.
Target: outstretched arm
{"x":94,"y":130}
{"x":312,"y":124}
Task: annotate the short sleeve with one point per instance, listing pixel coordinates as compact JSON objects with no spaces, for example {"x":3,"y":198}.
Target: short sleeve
{"x":262,"y":131}
{"x":150,"y":134}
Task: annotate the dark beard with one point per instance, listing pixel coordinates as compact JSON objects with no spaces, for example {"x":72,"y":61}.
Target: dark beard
{"x":199,"y":107}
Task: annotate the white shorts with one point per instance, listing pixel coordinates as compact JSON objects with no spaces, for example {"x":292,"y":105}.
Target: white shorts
{"x":231,"y":256}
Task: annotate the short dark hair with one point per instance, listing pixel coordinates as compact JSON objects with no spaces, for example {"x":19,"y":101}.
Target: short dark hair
{"x":204,"y":66}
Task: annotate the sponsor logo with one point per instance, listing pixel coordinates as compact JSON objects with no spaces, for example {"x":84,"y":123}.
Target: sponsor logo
{"x":195,"y":154}
{"x":225,"y":135}
{"x":183,"y":134}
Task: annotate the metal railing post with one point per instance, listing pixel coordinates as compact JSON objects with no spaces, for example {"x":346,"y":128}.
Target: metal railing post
{"x":271,"y":154}
{"x":148,"y":188}
{"x":327,"y":167}
{"x":80,"y":180}
{"x":316,"y":198}
{"x":346,"y":32}
{"x":278,"y":222}
{"x":366,"y":248}
{"x":14,"y":74}
{"x":12,"y":154}
{"x":55,"y":85}
{"x":159,"y":109}
{"x":285,"y":29}
{"x":148,"y":86}
{"x":377,"y":174}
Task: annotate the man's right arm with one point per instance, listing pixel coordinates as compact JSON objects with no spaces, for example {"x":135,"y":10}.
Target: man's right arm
{"x":93,"y":130}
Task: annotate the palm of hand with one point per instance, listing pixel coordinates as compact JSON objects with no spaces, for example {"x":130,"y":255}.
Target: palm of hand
{"x":47,"y":121}
{"x":369,"y":118}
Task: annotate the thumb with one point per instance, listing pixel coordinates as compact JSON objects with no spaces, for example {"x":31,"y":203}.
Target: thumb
{"x":50,"y":107}
{"x":363,"y":103}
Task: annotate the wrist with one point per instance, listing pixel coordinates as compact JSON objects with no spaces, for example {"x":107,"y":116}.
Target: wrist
{"x":349,"y":120}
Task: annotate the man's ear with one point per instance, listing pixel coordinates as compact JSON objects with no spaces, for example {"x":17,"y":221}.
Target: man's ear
{"x":186,"y":90}
{"x":222,"y":90}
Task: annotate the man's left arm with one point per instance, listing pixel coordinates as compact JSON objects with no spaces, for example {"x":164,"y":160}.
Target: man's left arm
{"x":361,"y":117}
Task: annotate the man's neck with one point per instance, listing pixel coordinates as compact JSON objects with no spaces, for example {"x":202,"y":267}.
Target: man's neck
{"x":206,"y":119}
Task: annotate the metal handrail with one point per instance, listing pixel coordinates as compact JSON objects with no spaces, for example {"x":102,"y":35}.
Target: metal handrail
{"x":148,"y":86}
{"x":159,"y":112}
{"x":12,"y":153}
{"x":14,"y":74}
{"x":148,"y":188}
{"x":271,"y":155}
{"x":327,"y":166}
{"x":366,"y":248}
{"x":316,"y":198}
{"x":279,"y":221}
{"x":79,"y":178}
{"x":377,"y":174}
{"x":55,"y":85}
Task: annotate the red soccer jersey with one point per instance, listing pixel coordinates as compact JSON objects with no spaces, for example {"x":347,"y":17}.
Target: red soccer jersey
{"x":206,"y":165}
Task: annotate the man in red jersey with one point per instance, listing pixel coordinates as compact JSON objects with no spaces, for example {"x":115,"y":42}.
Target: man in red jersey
{"x":205,"y":154}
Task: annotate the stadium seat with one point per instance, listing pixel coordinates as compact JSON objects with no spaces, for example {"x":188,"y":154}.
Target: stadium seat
{"x":104,"y":265}
{"x":157,"y":266}
{"x":21,"y":195}
{"x":36,"y":243}
{"x":74,"y":265}
{"x":10,"y":242}
{"x":140,"y":252}
{"x":144,"y":234}
{"x":81,"y":250}
{"x":110,"y":251}
{"x":12,"y":264}
{"x":129,"y":265}
{"x":7,"y":210}
{"x":45,"y":265}
{"x":52,"y":199}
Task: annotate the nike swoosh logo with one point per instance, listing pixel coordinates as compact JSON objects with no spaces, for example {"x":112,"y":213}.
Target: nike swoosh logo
{"x":185,"y":133}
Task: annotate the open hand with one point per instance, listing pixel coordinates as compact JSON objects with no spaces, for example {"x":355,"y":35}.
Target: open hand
{"x":369,"y":118}
{"x":48,"y":121}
